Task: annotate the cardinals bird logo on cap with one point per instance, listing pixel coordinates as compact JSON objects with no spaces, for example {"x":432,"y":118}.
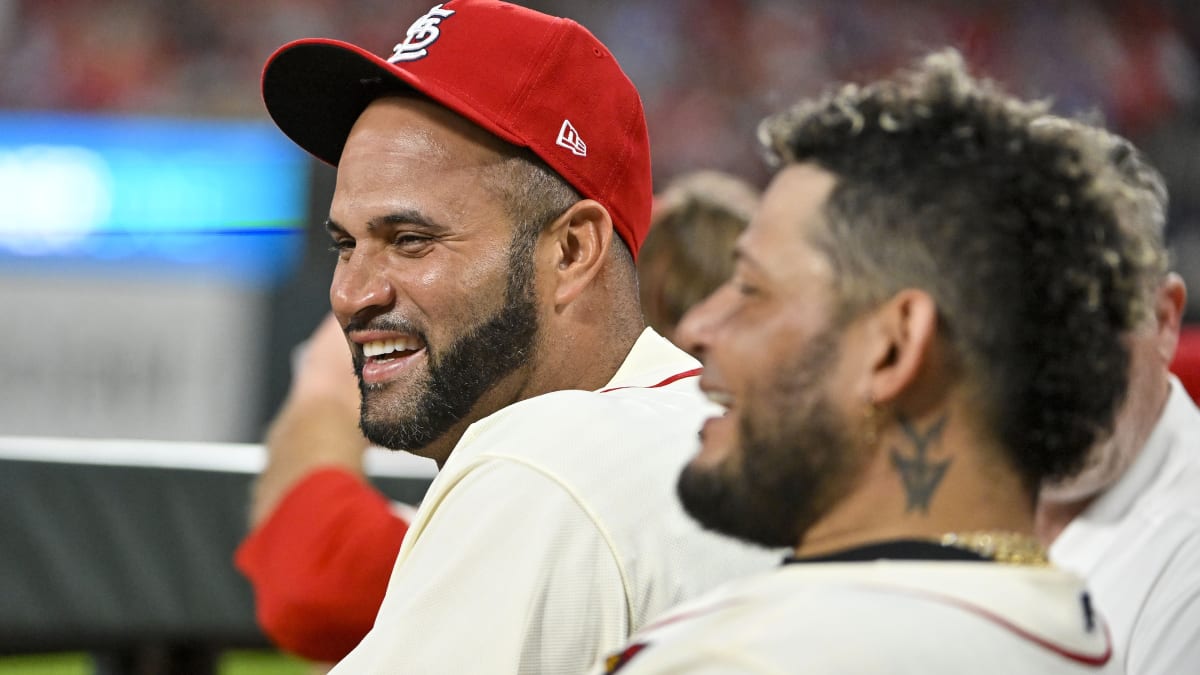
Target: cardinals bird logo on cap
{"x":422,"y":33}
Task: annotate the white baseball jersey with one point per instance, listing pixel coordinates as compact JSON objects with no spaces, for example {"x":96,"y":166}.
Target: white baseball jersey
{"x":1138,"y":546}
{"x":884,"y":617}
{"x":553,"y":531}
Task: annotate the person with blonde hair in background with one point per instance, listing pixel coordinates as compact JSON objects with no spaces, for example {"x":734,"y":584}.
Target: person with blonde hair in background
{"x":688,"y":252}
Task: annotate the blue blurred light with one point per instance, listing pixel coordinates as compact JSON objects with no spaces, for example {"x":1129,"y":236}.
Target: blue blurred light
{"x":166,"y":196}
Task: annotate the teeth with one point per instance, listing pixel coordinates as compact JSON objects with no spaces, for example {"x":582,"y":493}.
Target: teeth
{"x":721,"y":398}
{"x":381,"y":347}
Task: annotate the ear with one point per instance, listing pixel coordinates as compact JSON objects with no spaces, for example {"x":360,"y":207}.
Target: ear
{"x":901,"y":341}
{"x":1169,"y":302}
{"x":578,"y":242}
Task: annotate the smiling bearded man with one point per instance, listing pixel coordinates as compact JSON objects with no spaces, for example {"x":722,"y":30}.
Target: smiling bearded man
{"x":925,"y":322}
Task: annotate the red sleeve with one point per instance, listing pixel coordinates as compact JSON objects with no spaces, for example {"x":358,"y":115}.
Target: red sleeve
{"x":1186,"y":364}
{"x":320,"y":563}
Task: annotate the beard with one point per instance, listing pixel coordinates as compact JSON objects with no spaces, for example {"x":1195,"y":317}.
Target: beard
{"x":463,"y":372}
{"x":796,"y":458}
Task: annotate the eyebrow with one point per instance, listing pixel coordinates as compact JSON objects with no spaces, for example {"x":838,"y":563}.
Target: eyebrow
{"x":739,"y":255}
{"x":333,"y":228}
{"x":403,"y":217}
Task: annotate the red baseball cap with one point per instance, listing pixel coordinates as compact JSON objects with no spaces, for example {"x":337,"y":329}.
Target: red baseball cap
{"x":536,"y":81}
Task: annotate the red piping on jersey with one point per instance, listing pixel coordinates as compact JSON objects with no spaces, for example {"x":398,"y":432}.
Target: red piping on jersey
{"x":731,"y":602}
{"x":674,"y":378}
{"x":1086,"y":659}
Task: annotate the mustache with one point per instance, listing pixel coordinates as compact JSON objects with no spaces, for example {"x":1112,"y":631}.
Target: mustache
{"x":394,"y":324}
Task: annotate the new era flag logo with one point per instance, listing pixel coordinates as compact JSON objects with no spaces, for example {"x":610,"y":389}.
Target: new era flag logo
{"x":569,"y":138}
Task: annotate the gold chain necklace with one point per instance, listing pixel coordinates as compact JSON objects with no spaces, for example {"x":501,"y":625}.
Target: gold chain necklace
{"x":1010,"y":548}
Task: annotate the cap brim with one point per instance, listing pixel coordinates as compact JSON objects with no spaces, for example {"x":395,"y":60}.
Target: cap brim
{"x":315,"y":89}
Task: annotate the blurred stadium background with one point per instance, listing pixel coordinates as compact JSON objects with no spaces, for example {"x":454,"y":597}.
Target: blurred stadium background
{"x":158,"y":255}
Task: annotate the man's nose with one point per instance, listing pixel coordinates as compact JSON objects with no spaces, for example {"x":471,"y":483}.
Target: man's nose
{"x":359,"y":287}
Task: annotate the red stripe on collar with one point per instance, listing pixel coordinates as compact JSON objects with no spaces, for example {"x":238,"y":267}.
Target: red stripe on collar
{"x":695,"y":372}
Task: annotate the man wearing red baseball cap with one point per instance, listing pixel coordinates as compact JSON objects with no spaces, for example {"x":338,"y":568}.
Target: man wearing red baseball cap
{"x":493,"y":189}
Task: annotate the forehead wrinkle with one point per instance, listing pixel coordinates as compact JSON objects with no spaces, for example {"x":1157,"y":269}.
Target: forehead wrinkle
{"x":391,"y":144}
{"x":375,"y":151}
{"x":420,"y":128}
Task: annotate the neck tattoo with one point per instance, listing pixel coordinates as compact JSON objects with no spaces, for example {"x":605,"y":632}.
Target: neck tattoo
{"x":920,"y":473}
